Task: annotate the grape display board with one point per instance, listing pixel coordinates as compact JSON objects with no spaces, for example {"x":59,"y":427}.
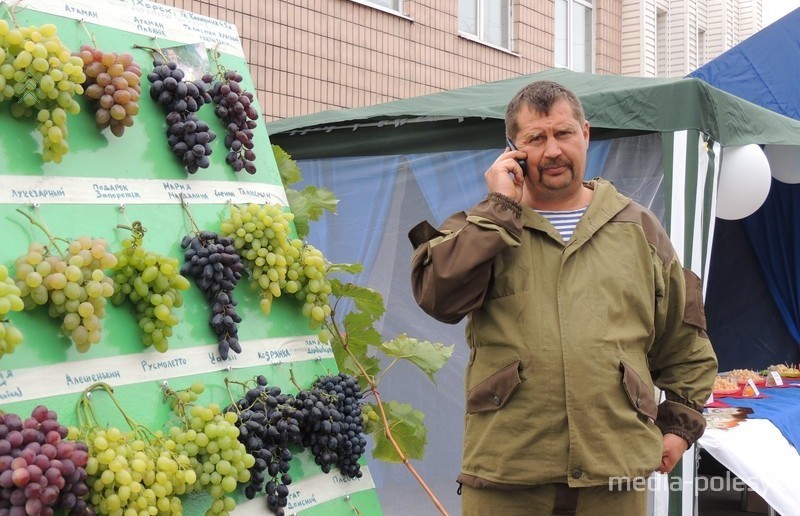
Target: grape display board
{"x":104,"y":181}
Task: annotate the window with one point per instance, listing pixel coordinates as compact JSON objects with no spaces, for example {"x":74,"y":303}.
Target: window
{"x":574,"y":30}
{"x":392,"y":5}
{"x":486,"y":20}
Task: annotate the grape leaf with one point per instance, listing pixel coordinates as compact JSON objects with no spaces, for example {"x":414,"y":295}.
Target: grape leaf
{"x":360,"y":333}
{"x":352,"y":268}
{"x":408,"y":430}
{"x":301,"y":222}
{"x":367,"y":300}
{"x":287,"y":167}
{"x":346,"y":364}
{"x":318,"y":200}
{"x":428,"y":356}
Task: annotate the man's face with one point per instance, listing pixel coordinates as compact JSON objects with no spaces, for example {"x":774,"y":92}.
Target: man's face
{"x":556,"y":145}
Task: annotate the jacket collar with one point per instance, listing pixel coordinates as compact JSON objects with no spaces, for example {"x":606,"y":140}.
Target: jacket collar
{"x":606,"y":203}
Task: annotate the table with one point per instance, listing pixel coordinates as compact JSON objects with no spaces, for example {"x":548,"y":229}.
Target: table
{"x":763,"y":450}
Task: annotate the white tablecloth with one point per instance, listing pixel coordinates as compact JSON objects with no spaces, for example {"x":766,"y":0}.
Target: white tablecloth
{"x":760,"y":455}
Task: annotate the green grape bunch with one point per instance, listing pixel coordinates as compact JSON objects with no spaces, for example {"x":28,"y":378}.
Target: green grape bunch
{"x":132,"y":472}
{"x":210,"y":440}
{"x":10,"y":301}
{"x":42,"y":77}
{"x":74,"y":287}
{"x":279,"y":264}
{"x":153,"y":283}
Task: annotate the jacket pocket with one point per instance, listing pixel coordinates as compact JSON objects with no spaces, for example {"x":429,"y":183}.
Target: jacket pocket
{"x":493,"y":392}
{"x":694,"y":313}
{"x":639,"y":394}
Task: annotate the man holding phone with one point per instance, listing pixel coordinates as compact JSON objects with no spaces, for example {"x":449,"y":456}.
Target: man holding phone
{"x":577,"y":306}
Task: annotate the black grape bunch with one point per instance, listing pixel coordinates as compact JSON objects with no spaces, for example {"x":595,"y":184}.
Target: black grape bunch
{"x":335,"y":431}
{"x":268,"y":424}
{"x":327,"y":419}
{"x":236,"y":109}
{"x":187,"y":135}
{"x":212,"y":261}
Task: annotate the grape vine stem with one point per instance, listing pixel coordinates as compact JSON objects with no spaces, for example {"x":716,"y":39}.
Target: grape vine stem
{"x":41,"y":225}
{"x":91,"y":36}
{"x":151,"y":50}
{"x":386,"y":427}
{"x":185,"y":207}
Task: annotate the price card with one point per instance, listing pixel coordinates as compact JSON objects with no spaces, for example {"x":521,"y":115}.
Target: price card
{"x":774,"y":379}
{"x":750,"y":390}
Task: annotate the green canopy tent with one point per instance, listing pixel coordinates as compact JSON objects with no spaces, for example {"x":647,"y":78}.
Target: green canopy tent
{"x":666,"y":137}
{"x":682,"y":110}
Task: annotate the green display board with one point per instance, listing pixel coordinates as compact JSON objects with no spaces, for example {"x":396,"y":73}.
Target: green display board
{"x":105,"y":181}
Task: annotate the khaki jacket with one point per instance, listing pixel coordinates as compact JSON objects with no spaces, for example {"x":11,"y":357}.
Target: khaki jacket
{"x":567,"y":340}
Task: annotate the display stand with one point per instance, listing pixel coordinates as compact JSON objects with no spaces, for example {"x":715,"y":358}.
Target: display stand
{"x":105,"y":181}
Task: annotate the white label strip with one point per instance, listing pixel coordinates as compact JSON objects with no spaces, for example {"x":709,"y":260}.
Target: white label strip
{"x":312,"y":491}
{"x":67,"y":378}
{"x":95,"y":190}
{"x":146,"y":18}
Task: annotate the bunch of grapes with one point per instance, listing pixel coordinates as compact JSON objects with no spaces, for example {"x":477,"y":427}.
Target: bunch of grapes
{"x":10,"y":301}
{"x":151,"y":282}
{"x":40,"y":472}
{"x":187,"y":135}
{"x":113,"y":84}
{"x":327,"y":419}
{"x":134,"y":471}
{"x":74,"y":286}
{"x":236,"y":108}
{"x":208,"y":439}
{"x":42,"y":76}
{"x":215,"y":267}
{"x":338,"y":436}
{"x":269,"y":422}
{"x":278,"y":264}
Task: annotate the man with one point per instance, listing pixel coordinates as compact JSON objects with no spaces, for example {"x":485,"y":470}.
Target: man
{"x":577,"y":306}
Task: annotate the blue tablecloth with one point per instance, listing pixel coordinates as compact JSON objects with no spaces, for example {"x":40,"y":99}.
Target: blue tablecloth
{"x":781,"y":406}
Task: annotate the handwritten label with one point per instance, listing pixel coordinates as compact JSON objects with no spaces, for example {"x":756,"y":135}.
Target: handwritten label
{"x":8,"y":391}
{"x":5,"y":376}
{"x":774,"y":379}
{"x":88,"y":379}
{"x":38,"y":194}
{"x":81,"y":190}
{"x":298,"y":500}
{"x":146,"y":18}
{"x":278,"y":354}
{"x":214,"y":358}
{"x":80,"y":11}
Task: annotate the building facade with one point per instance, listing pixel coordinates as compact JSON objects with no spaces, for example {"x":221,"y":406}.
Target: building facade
{"x":307,"y":56}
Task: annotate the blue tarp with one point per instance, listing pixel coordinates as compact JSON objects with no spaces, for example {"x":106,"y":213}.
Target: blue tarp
{"x":764,"y":70}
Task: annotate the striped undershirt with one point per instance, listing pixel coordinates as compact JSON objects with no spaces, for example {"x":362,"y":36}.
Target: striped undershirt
{"x":564,"y":221}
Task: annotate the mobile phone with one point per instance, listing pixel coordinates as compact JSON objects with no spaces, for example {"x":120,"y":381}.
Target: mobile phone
{"x":521,"y":162}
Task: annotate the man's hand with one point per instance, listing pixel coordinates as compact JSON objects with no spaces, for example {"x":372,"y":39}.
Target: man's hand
{"x":674,"y":447}
{"x":505,"y":175}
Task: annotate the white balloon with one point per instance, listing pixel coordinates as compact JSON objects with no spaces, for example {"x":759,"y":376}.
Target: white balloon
{"x":744,"y":181}
{"x":784,"y":162}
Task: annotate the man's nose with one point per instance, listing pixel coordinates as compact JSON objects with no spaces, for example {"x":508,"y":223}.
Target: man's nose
{"x":551,"y":148}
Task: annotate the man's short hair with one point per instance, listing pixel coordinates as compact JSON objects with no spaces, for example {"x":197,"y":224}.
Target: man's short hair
{"x":540,"y":97}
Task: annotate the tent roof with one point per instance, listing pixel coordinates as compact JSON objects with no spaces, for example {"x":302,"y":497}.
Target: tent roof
{"x":755,"y":71}
{"x":611,"y":103}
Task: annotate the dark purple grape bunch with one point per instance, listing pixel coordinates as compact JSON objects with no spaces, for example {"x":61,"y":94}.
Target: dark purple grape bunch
{"x":236,"y":108}
{"x":187,"y":135}
{"x":269,"y":422}
{"x":40,"y":472}
{"x":215,"y":266}
{"x":334,"y":427}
